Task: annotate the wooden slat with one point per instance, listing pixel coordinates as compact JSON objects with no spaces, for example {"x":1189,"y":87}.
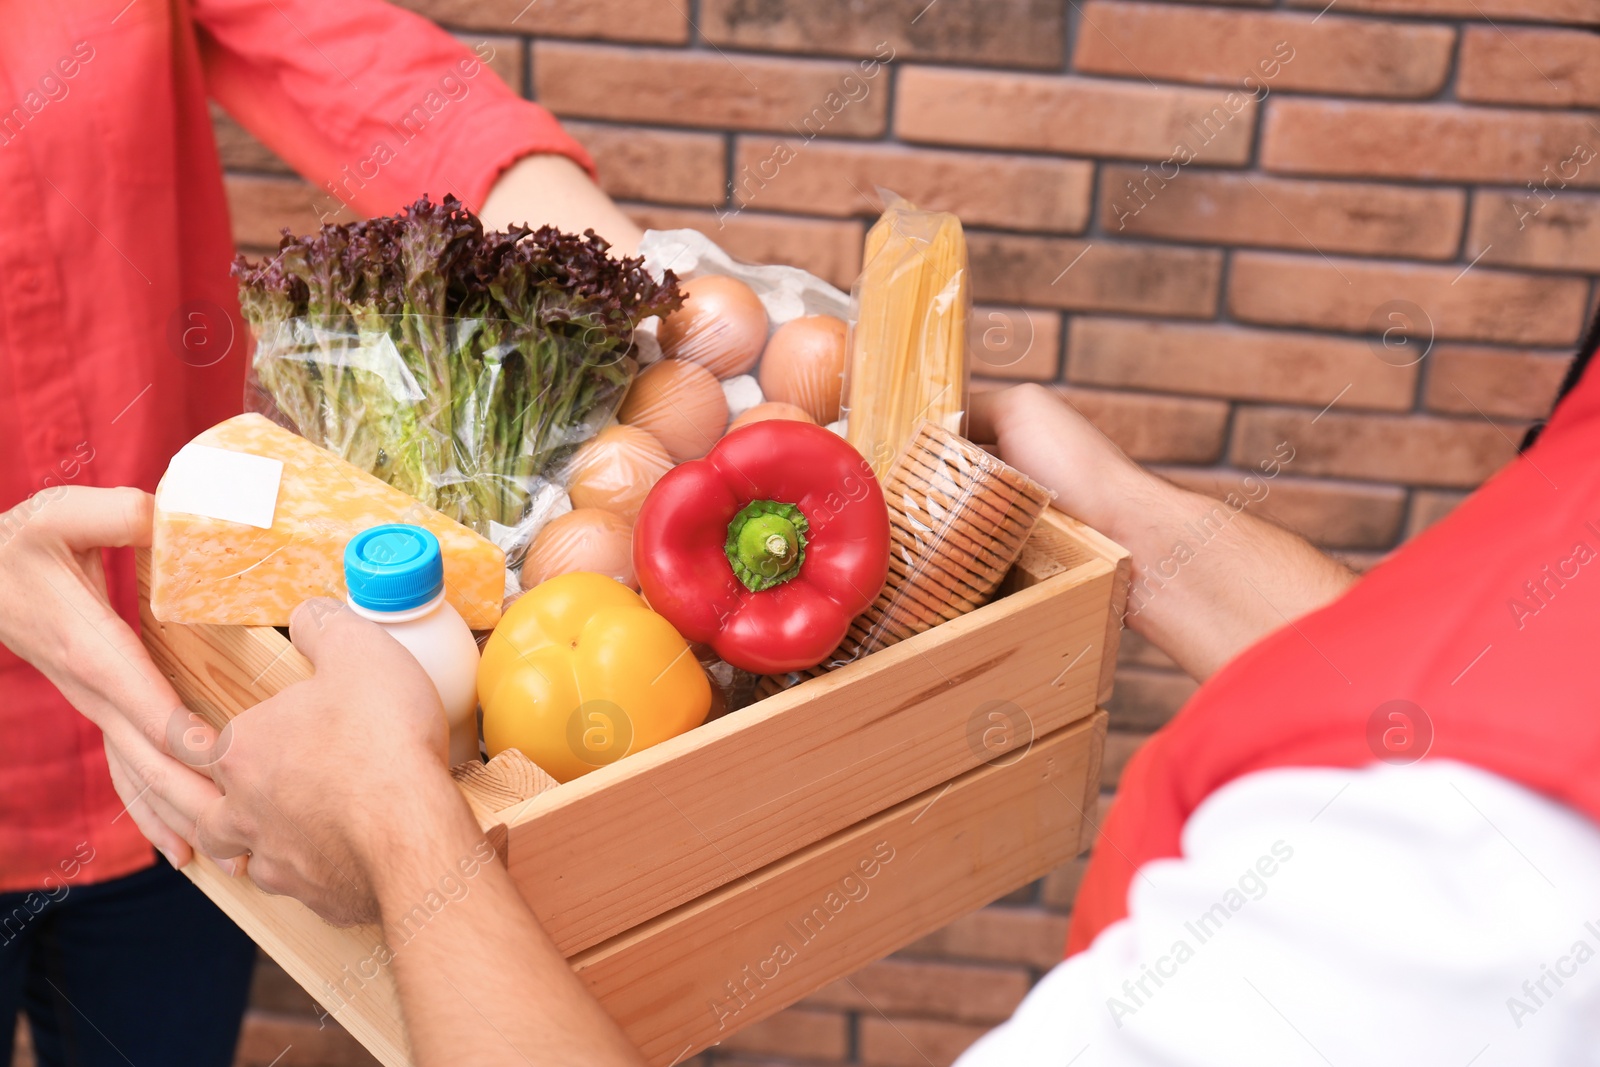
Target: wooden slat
{"x":688,"y":979}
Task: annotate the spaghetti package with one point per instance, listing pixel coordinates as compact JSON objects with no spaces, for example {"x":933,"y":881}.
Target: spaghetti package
{"x":908,"y":350}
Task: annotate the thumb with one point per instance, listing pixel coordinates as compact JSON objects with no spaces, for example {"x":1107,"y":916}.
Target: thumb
{"x":320,"y":625}
{"x":85,"y":517}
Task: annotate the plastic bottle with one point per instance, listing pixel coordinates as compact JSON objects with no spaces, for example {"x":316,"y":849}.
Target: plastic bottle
{"x":395,"y":577}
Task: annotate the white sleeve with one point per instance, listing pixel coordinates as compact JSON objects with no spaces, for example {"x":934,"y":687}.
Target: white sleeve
{"x":1429,"y":914}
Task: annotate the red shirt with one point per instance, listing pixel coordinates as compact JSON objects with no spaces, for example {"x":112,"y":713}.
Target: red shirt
{"x":1475,"y":642}
{"x":117,"y":310}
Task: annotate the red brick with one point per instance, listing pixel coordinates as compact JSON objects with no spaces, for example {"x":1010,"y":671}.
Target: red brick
{"x":1467,"y":380}
{"x":1155,"y":429}
{"x":1558,"y":230}
{"x":1436,"y":142}
{"x":693,"y":88}
{"x":1026,"y":936}
{"x":295,"y":1041}
{"x":1120,"y":747}
{"x":506,"y":56}
{"x":1061,"y":885}
{"x":620,"y":20}
{"x":1412,"y":449}
{"x":1520,"y":10}
{"x":1313,"y":216}
{"x":261,"y":206}
{"x":914,"y":1042}
{"x":239,"y":148}
{"x":1134,"y":650}
{"x":1013,"y":33}
{"x":798,"y":1033}
{"x":1145,"y":700}
{"x":1080,"y":116}
{"x":829,"y":249}
{"x":1274,"y":51}
{"x":1234,"y":362}
{"x":962,"y":992}
{"x":1553,"y":68}
{"x":1094,"y":275}
{"x":984,"y":189}
{"x":1327,"y":513}
{"x":1428,"y":506}
{"x":664,"y":166}
{"x":1358,"y":296}
{"x":1016,"y":343}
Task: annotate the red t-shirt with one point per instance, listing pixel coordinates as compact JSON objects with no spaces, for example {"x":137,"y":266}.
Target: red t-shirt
{"x":1476,"y":642}
{"x":117,"y":309}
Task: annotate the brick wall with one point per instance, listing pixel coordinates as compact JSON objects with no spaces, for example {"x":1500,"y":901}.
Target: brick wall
{"x":1197,"y":220}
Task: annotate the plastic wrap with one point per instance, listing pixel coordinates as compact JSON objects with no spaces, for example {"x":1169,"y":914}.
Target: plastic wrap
{"x":463,"y":414}
{"x":908,"y":349}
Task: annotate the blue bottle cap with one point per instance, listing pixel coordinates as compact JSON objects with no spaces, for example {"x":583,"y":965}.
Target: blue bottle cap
{"x":393,"y":567}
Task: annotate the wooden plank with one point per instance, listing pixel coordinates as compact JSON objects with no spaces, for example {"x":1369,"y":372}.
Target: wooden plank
{"x":689,"y":979}
{"x":1061,"y":541}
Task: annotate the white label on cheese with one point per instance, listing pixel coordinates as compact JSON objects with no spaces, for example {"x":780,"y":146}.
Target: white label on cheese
{"x":218,"y":484}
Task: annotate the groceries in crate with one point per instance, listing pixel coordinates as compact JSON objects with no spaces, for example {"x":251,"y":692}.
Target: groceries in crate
{"x":251,"y":520}
{"x":395,"y":575}
{"x":493,"y":375}
{"x":581,"y":672}
{"x":768,"y":547}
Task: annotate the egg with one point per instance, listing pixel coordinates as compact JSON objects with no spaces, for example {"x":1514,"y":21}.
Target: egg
{"x":680,"y":404}
{"x":804,"y":365}
{"x":584,"y":539}
{"x":615,"y":469}
{"x":772,"y":409}
{"x":721,"y":326}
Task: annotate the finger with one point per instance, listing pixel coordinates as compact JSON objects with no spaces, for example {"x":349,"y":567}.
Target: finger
{"x":86,"y":517}
{"x":223,"y":832}
{"x":185,"y":792}
{"x":321,"y":625}
{"x":137,"y":807}
{"x":982,"y":409}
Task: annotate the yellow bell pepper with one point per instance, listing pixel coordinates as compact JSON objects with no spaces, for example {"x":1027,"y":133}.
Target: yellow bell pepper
{"x":580,"y":672}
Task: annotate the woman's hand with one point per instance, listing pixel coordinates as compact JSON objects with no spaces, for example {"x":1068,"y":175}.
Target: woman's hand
{"x":327,"y":783}
{"x":54,"y":613}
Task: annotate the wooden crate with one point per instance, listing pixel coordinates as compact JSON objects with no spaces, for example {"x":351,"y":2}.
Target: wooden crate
{"x":956,"y":766}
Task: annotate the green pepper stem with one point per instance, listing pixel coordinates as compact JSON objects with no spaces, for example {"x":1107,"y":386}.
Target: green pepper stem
{"x":766,"y":544}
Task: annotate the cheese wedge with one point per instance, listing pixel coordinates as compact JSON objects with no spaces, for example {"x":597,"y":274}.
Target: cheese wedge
{"x":211,"y":569}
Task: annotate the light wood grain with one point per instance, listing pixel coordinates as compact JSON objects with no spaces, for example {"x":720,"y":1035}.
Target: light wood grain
{"x":687,"y":980}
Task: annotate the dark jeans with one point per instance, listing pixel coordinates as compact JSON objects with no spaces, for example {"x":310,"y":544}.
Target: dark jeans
{"x":141,"y":971}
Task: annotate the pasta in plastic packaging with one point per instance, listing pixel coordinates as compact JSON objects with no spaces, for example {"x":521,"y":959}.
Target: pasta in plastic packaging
{"x":908,"y":350}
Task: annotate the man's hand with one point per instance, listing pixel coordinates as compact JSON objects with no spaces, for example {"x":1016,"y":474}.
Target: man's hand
{"x":54,"y":613}
{"x":1208,"y":579}
{"x":323,"y":783}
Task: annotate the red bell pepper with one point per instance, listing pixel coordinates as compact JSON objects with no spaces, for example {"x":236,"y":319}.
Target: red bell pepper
{"x":767,"y":547}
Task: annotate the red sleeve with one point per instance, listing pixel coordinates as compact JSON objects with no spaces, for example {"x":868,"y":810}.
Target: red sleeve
{"x":373,"y":104}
